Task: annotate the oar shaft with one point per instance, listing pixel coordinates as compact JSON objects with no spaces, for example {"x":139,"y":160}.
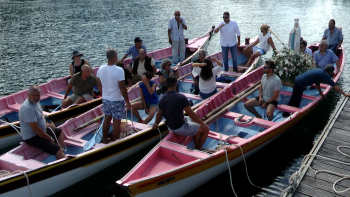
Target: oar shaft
{"x":89,"y":123}
{"x":276,"y":36}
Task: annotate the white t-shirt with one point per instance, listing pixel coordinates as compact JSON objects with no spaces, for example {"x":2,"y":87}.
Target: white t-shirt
{"x":141,"y":68}
{"x":228,"y":34}
{"x":109,"y":77}
{"x":263,"y":42}
{"x":209,"y":86}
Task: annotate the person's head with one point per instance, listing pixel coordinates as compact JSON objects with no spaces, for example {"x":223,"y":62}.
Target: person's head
{"x":264,"y":28}
{"x":142,"y":54}
{"x":120,"y":64}
{"x":303,"y":45}
{"x":329,"y":69}
{"x":331,"y":24}
{"x":177,"y":14}
{"x":34,"y":94}
{"x":269,"y":67}
{"x":76,"y":55}
{"x":148,"y":75}
{"x":206,"y":71}
{"x":171,"y":83}
{"x":138,"y":42}
{"x":112,"y":55}
{"x":201,"y":55}
{"x":85,"y":70}
{"x":166,"y":64}
{"x":226,"y":16}
{"x":323,"y":45}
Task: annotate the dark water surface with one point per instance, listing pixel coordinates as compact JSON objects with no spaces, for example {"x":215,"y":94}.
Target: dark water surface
{"x":38,"y":37}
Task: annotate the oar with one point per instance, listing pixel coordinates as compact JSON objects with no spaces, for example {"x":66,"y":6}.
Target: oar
{"x":92,"y":141}
{"x":57,"y":108}
{"x":276,"y":36}
{"x":227,"y":108}
{"x":253,"y":87}
{"x":89,"y":122}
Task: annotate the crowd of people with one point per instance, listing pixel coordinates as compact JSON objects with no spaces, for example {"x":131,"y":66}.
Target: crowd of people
{"x":113,"y":78}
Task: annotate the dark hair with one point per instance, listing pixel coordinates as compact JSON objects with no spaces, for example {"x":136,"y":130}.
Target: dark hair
{"x":333,"y":21}
{"x":226,"y":13}
{"x":270,"y":63}
{"x":303,"y":42}
{"x":170,"y":81}
{"x":206,"y":71}
{"x":148,"y":74}
{"x":120,"y":64}
{"x":111,"y":53}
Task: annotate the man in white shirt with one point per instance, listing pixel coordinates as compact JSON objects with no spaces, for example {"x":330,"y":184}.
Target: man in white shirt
{"x":176,"y":27}
{"x":228,"y":32}
{"x":264,"y":42}
{"x":110,"y":80}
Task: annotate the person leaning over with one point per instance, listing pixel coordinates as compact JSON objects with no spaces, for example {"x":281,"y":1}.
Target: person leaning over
{"x":171,"y":106}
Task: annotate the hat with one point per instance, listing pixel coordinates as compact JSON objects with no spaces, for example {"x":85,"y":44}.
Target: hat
{"x":329,"y":68}
{"x":76,"y":53}
{"x":264,"y":26}
{"x":164,"y":62}
{"x":137,"y":39}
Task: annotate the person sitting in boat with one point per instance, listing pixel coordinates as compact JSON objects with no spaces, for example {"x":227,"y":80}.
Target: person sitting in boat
{"x":134,"y":51}
{"x":34,"y":129}
{"x":314,"y":76}
{"x":164,"y":73}
{"x":75,"y":66}
{"x":263,"y":43}
{"x":149,"y":98}
{"x":201,"y":56}
{"x":324,"y":56}
{"x":171,"y":106}
{"x":304,"y":49}
{"x":83,"y":82}
{"x":269,"y":92}
{"x":127,"y":74}
{"x":141,"y":64}
{"x":206,"y":73}
{"x":333,"y":35}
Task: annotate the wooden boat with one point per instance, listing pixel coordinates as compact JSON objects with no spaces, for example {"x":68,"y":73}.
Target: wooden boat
{"x":52,"y":94}
{"x":174,"y":167}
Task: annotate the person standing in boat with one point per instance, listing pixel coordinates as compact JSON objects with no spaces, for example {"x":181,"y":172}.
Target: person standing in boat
{"x":141,"y":64}
{"x":325,"y":56}
{"x":171,"y":106}
{"x":263,"y":43}
{"x":314,"y":76}
{"x":206,"y":73}
{"x":134,"y":51}
{"x":34,"y":129}
{"x":176,"y":35}
{"x":110,"y":81}
{"x":149,"y":98}
{"x":228,"y":31}
{"x":304,"y":49}
{"x":75,"y":66}
{"x":83,"y":82}
{"x":333,"y":35}
{"x":166,"y":71}
{"x":269,"y":92}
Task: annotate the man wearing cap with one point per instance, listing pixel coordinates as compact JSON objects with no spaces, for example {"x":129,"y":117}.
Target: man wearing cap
{"x":228,"y":32}
{"x":325,"y":56}
{"x":176,"y":27}
{"x":263,"y":45}
{"x":75,"y":66}
{"x":334,"y":36}
{"x":141,"y":64}
{"x":314,"y":76}
{"x":134,"y":51}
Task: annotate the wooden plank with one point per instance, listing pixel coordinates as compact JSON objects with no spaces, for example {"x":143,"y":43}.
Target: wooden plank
{"x":311,"y":191}
{"x":340,"y":137}
{"x":323,"y":165}
{"x":341,"y":125}
{"x":341,"y":131}
{"x":318,"y":184}
{"x":297,"y":194}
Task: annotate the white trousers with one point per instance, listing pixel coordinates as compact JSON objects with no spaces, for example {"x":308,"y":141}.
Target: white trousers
{"x":176,"y":47}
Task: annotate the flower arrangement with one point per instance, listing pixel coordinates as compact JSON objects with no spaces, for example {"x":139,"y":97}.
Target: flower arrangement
{"x":288,"y":65}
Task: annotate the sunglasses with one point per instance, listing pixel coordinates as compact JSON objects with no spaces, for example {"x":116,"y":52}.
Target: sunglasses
{"x":177,"y":14}
{"x":265,"y":67}
{"x":321,"y":45}
{"x":225,"y":17}
{"x":78,"y":56}
{"x":201,"y":54}
{"x":168,"y":64}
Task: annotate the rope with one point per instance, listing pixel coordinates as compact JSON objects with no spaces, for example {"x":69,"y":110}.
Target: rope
{"x":160,"y":134}
{"x":12,"y":125}
{"x":64,"y":149}
{"x":30,"y":192}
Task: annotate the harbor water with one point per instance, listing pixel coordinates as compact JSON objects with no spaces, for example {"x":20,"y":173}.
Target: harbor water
{"x":37,"y":39}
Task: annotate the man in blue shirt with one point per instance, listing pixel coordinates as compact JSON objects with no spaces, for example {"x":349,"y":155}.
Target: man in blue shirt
{"x":334,"y":36}
{"x":324,"y":56}
{"x":134,"y":51}
{"x":314,"y":76}
{"x":176,"y":27}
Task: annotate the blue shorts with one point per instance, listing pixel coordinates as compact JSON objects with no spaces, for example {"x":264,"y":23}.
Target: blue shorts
{"x":148,"y":105}
{"x":187,"y":129}
{"x":116,"y":109}
{"x":261,"y":51}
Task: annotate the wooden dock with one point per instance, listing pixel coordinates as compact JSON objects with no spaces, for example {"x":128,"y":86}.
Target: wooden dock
{"x":336,"y":134}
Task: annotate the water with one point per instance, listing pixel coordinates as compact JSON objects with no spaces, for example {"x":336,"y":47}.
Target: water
{"x":37,"y":39}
